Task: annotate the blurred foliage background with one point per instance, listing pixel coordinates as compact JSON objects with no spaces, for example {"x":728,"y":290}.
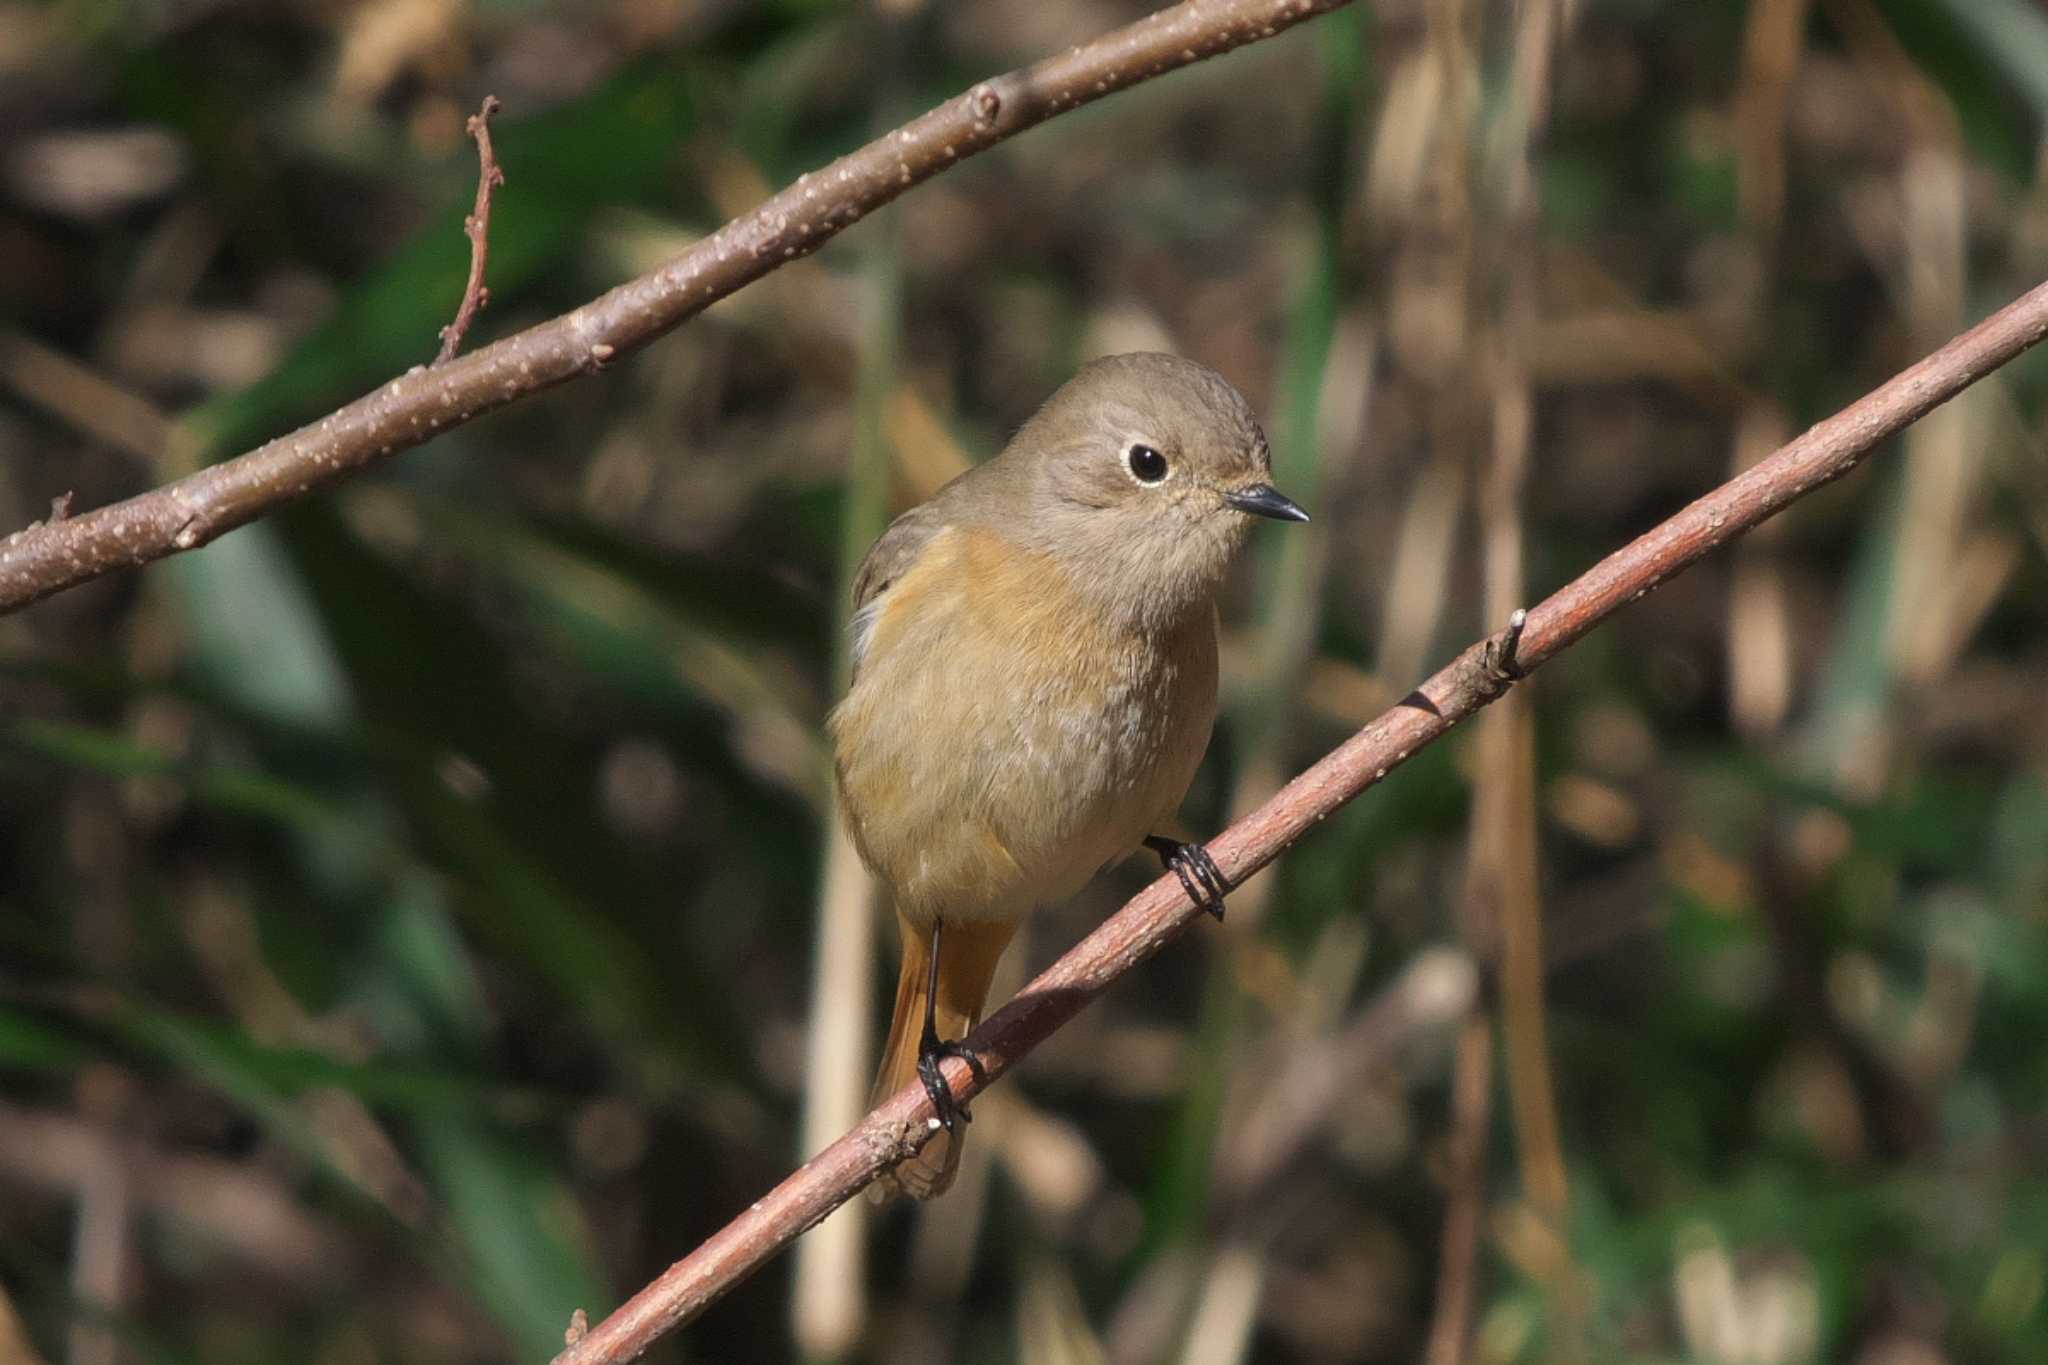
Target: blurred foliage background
{"x":410,"y":906}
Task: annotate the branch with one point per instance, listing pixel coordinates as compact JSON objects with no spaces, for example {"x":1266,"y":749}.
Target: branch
{"x":476,"y":227}
{"x":416,"y":406}
{"x":1162,"y":911}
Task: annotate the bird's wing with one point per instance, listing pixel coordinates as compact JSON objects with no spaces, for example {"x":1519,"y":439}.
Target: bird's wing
{"x":888,"y":560}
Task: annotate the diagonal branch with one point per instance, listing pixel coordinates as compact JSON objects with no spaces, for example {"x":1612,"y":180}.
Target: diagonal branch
{"x":1162,"y":910}
{"x":47,"y":558}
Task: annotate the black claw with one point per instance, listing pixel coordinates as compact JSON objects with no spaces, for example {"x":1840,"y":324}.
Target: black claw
{"x":1199,"y":876}
{"x":930,"y":1051}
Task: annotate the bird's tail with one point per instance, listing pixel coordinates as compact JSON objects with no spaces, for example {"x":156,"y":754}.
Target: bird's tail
{"x":968,"y":953}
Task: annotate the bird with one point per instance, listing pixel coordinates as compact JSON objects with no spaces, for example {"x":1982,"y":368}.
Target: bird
{"x":1034,"y":685}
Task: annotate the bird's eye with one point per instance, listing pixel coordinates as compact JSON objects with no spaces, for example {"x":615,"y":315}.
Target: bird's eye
{"x":1146,"y":464}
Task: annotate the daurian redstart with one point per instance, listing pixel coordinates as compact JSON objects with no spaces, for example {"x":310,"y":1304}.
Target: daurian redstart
{"x":1034,"y":682}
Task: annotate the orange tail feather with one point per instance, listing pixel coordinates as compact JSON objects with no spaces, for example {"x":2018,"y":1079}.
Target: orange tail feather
{"x":968,"y":955}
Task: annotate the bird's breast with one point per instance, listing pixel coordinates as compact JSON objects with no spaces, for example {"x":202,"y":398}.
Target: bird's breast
{"x":1004,"y":738}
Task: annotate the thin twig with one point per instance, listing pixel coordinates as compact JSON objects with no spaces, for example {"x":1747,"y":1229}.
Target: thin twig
{"x":1162,"y":911}
{"x":476,"y":296}
{"x":421,"y":404}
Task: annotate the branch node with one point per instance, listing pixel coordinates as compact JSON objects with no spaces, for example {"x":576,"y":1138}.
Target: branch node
{"x":477,"y":227}
{"x":579,"y":1327}
{"x":60,"y":506}
{"x":897,"y":1142}
{"x":1503,"y":653}
{"x":986,"y":103}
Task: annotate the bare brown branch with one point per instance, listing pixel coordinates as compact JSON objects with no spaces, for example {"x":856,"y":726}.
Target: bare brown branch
{"x":477,"y":227}
{"x":416,"y":406}
{"x":1162,"y":911}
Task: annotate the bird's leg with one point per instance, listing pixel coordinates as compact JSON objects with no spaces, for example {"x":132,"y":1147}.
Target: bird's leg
{"x":931,"y":1049}
{"x":1199,"y":876}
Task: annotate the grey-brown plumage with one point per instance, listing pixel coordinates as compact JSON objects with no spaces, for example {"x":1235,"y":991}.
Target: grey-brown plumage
{"x":1035,"y":670}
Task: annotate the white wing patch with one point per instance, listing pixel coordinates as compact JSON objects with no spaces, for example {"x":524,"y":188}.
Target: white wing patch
{"x":861,"y":628}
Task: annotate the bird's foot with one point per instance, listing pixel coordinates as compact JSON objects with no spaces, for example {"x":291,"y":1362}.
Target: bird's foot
{"x":930,"y":1051}
{"x":1199,"y":876}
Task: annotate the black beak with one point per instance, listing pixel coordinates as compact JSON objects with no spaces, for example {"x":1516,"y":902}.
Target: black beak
{"x":1264,"y":500}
